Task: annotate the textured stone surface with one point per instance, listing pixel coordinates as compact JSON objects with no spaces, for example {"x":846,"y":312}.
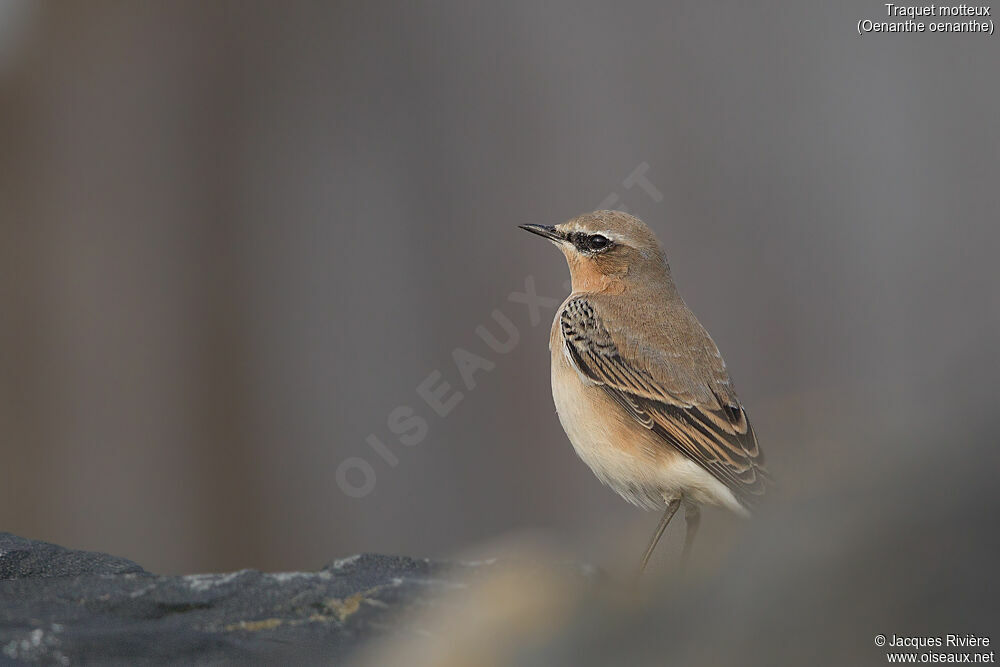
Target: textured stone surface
{"x":21,"y":558}
{"x":59,"y":606}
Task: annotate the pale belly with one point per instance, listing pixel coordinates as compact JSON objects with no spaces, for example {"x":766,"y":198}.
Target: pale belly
{"x":622,"y":453}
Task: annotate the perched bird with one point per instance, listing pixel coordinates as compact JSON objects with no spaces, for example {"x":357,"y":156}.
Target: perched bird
{"x":640,"y":387}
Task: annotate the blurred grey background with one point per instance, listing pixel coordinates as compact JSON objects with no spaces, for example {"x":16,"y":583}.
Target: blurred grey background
{"x":234,"y":237}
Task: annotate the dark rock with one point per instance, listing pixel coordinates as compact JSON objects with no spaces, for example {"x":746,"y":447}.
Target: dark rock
{"x":59,"y":606}
{"x":21,"y":558}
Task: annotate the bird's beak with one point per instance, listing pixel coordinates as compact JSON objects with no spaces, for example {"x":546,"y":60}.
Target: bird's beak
{"x":545,"y":231}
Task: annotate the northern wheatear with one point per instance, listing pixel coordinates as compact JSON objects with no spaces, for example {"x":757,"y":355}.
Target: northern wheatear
{"x":640,"y":387}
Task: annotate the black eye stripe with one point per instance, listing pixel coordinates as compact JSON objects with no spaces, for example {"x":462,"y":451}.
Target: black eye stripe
{"x":590,"y":243}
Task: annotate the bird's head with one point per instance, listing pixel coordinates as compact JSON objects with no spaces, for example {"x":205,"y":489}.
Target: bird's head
{"x":607,"y":251}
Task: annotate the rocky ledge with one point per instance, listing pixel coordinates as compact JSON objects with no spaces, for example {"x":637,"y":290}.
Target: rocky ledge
{"x":60,"y":606}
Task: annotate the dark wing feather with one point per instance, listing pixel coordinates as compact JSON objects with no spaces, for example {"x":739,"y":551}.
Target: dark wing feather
{"x":718,"y":437}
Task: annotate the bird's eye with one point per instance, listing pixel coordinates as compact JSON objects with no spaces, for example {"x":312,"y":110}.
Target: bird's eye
{"x":598,"y":242}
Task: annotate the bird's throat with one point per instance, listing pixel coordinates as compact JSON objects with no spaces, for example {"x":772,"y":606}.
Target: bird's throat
{"x":587,"y":277}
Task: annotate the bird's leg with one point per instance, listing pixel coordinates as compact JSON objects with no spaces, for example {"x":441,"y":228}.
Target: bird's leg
{"x":667,"y":516}
{"x":692,"y":517}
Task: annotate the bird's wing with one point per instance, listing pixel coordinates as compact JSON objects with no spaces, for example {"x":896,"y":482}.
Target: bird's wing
{"x":714,"y":432}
